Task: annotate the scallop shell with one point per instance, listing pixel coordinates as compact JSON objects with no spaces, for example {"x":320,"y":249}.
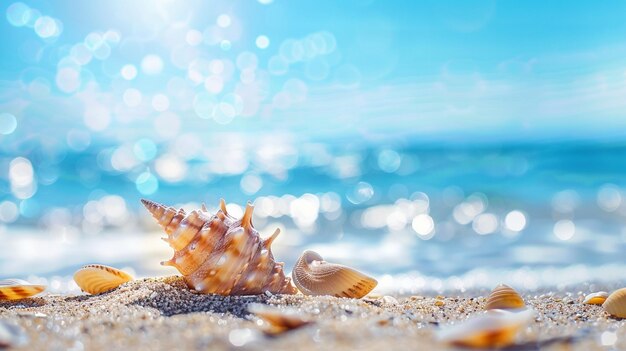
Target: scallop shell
{"x":615,"y":304}
{"x":504,"y":297}
{"x":278,"y":320}
{"x":16,"y":289}
{"x":314,"y":276}
{"x":490,"y":329}
{"x":97,"y":278}
{"x":597,"y":298}
{"x":218,"y":254}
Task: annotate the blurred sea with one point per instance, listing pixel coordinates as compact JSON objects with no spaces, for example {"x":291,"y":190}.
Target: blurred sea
{"x":425,"y":217}
{"x":436,"y":146}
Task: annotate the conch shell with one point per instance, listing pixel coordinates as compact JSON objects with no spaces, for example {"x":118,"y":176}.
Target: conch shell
{"x":615,"y":304}
{"x":98,"y":278}
{"x":17,"y":289}
{"x":490,"y":329}
{"x":504,"y":297}
{"x":314,"y":276}
{"x":219,"y":254}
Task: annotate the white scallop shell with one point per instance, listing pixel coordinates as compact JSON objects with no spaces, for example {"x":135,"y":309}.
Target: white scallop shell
{"x":314,"y":276}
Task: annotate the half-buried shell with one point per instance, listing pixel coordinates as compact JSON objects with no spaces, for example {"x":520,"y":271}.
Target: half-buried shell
{"x":597,"y":298}
{"x":490,"y":329}
{"x":314,"y":276}
{"x":504,"y":297}
{"x":615,"y":304}
{"x":97,"y":278}
{"x":278,"y":320}
{"x":17,"y":289}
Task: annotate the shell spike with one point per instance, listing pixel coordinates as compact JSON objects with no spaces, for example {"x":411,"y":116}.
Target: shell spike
{"x":161,"y":213}
{"x":204,"y":209}
{"x":153,"y":207}
{"x":223,"y":206}
{"x":268,"y":242}
{"x":167,"y":263}
{"x":246,"y":220}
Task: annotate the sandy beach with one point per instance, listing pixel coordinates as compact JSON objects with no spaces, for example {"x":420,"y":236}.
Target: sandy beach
{"x":162,"y":313}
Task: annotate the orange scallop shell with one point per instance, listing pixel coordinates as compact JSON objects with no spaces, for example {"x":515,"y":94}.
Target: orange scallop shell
{"x":615,"y":304}
{"x":17,"y":289}
{"x":98,"y":278}
{"x":219,"y":254}
{"x":504,"y":297}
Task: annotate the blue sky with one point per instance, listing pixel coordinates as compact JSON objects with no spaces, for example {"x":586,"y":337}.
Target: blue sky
{"x":432,"y":70}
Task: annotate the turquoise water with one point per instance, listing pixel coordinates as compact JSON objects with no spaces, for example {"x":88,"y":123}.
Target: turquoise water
{"x":469,"y":214}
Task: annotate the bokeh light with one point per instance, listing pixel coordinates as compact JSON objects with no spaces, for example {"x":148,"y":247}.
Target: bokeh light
{"x":515,"y":221}
{"x":424,"y":226}
{"x":18,"y":14}
{"x":129,"y":72}
{"x":8,"y":123}
{"x":262,"y":42}
{"x":152,"y":64}
{"x":564,"y":229}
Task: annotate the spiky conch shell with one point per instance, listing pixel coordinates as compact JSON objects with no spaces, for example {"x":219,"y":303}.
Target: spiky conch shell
{"x":218,"y":254}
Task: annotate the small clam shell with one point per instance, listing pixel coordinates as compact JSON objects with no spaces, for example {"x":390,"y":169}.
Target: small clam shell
{"x":491,"y":329}
{"x":389,"y":299}
{"x":314,"y":276}
{"x":279,"y":320}
{"x":96,"y":278}
{"x":597,"y":298}
{"x":615,"y":304}
{"x":16,"y":289}
{"x":504,"y":297}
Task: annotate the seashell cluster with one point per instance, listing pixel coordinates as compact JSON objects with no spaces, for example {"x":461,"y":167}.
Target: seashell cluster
{"x":615,"y":304}
{"x":17,"y":289}
{"x":491,"y":329}
{"x":504,"y":297}
{"x":597,"y":298}
{"x":219,"y":254}
{"x":96,"y":278}
{"x":278,"y":320}
{"x":314,"y":276}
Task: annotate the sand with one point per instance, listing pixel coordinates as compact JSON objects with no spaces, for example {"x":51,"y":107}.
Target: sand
{"x":163,"y":314}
